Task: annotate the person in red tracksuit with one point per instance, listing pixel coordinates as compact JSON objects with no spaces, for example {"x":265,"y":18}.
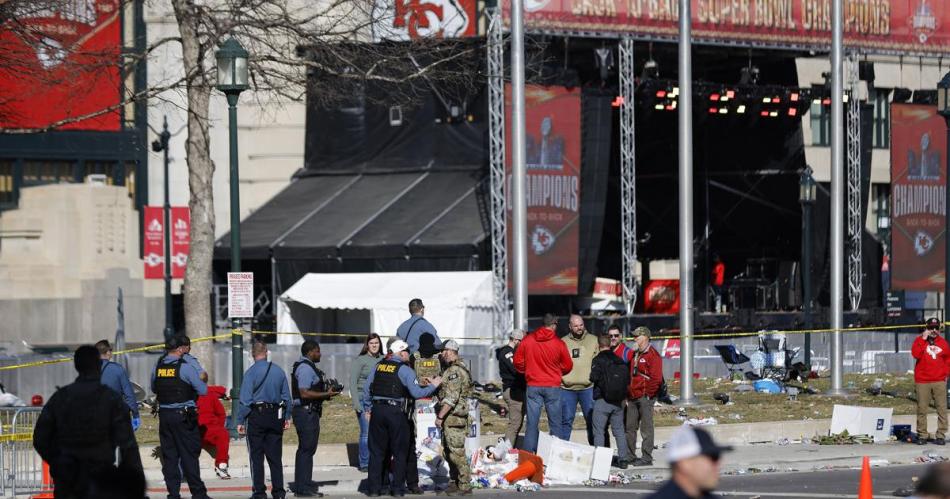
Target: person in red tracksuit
{"x":215,"y":438}
{"x":646,"y":376}
{"x":932,"y":354}
{"x":543,"y":359}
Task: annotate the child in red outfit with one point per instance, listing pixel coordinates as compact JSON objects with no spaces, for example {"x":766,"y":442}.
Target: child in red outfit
{"x":215,"y":438}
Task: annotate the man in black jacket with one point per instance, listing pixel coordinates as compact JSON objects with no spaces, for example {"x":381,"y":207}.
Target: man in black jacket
{"x":78,"y":433}
{"x":694,"y":465}
{"x":513,"y":383}
{"x":610,"y":376}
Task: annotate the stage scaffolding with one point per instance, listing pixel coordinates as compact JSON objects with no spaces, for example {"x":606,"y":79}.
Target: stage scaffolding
{"x":628,"y":181}
{"x":855,"y":228}
{"x":496,"y":145}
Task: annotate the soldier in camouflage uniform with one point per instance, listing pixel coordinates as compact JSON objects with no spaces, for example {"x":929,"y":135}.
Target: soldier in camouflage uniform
{"x":454,"y":394}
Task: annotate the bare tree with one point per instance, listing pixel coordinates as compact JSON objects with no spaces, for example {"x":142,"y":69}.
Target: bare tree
{"x":295,"y":46}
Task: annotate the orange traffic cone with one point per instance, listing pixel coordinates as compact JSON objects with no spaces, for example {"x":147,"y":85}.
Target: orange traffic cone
{"x":865,"y":488}
{"x":530,"y":466}
{"x":46,"y":490}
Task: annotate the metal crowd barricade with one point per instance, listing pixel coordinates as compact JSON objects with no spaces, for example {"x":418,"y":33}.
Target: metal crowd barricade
{"x":21,"y":467}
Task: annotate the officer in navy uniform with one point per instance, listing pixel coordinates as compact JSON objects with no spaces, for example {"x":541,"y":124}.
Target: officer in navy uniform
{"x":388,"y":395}
{"x":177,"y":386}
{"x":308,"y":386}
{"x":190,"y":359}
{"x":263,"y":416}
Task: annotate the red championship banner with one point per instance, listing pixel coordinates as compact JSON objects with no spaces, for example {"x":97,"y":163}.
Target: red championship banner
{"x":62,"y":63}
{"x":411,"y":19}
{"x":552,"y":122}
{"x":918,"y":205}
{"x":905,"y":26}
{"x":181,"y":240}
{"x":153,"y":245}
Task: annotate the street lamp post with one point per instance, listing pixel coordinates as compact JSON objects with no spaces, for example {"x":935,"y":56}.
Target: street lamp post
{"x":943,"y":107}
{"x":232,"y":80}
{"x":162,"y":145}
{"x":806,"y":196}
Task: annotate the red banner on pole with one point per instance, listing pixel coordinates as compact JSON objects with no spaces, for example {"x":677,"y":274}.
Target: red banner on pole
{"x":154,"y":243}
{"x":552,"y":122}
{"x":181,"y":240}
{"x":64,"y":64}
{"x":918,"y":203}
{"x":904,"y":26}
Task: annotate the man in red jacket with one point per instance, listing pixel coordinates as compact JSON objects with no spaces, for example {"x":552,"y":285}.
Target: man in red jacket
{"x":646,"y":375}
{"x":543,"y":358}
{"x":214,"y":436}
{"x":930,"y":377}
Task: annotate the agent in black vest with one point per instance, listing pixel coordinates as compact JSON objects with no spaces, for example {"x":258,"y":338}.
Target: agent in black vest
{"x":308,"y":389}
{"x":177,"y":386}
{"x":389,"y":392}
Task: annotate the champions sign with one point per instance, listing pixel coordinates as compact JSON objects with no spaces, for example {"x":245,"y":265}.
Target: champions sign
{"x":553,"y":186}
{"x":918,"y":204}
{"x":907,"y":26}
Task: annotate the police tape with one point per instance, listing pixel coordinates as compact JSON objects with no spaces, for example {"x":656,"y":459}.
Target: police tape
{"x":17,"y":437}
{"x":700,"y":336}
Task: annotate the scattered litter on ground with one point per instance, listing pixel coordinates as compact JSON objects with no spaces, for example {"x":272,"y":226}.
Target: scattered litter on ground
{"x":782,"y":442}
{"x":929,"y":457}
{"x":702,"y":422}
{"x":843,"y":438}
{"x":879,"y":462}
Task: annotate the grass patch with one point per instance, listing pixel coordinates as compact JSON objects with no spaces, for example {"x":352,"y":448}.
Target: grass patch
{"x":339,"y":424}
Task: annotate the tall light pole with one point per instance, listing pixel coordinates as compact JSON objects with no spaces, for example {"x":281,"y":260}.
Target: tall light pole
{"x":519,"y":209}
{"x":806,"y":196}
{"x":943,"y":107}
{"x":232,"y":80}
{"x":162,"y":145}
{"x":837,"y":199}
{"x":687,"y":307}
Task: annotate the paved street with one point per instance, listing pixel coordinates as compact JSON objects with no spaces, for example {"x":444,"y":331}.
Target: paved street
{"x":813,"y":484}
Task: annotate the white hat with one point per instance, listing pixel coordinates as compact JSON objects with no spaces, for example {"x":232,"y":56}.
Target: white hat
{"x":450,"y":345}
{"x":688,"y":441}
{"x":398,"y":346}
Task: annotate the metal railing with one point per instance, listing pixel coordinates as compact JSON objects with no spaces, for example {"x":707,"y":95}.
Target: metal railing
{"x":21,"y":469}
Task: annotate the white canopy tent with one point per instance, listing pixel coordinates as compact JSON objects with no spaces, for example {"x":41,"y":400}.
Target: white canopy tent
{"x":458,"y":304}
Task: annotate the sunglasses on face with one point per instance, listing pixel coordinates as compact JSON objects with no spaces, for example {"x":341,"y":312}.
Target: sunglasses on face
{"x":614,"y":335}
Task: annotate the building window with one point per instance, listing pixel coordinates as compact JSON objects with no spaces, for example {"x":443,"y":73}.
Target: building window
{"x":820,"y":124}
{"x":882,"y":118}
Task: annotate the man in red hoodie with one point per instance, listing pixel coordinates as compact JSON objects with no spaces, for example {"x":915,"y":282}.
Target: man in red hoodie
{"x":214,"y":436}
{"x":646,"y":376}
{"x":930,"y":377}
{"x":543,"y":359}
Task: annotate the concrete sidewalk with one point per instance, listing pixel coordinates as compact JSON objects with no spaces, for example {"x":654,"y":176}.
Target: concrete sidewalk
{"x":332,"y":468}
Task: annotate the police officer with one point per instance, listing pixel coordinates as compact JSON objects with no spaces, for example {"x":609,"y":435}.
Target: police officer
{"x":452,"y":419}
{"x":390,"y":389}
{"x":308,"y":386}
{"x":263,"y":416}
{"x":190,"y":359}
{"x":177,"y":386}
{"x":78,"y":432}
{"x":114,"y":376}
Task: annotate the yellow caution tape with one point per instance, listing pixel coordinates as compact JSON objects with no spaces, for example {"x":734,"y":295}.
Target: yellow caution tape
{"x":700,"y":336}
{"x":17,"y":437}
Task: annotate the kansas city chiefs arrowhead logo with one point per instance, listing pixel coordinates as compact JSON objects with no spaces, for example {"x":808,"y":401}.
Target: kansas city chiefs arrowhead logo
{"x":542,"y":240}
{"x":923,"y":243}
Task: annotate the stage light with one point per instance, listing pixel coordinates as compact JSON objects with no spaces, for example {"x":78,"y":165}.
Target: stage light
{"x":651,"y":70}
{"x":764,"y":113}
{"x":714,"y":97}
{"x":740,"y":109}
{"x":845,"y":97}
{"x":816,"y":101}
{"x":675,"y":92}
{"x":713,"y":110}
{"x":773,"y":114}
{"x":671,"y":107}
{"x":618,"y":101}
{"x":658,"y":107}
{"x":826,"y":101}
{"x":766,"y":100}
{"x":723,"y":110}
{"x":730,"y":94}
{"x":749,"y":75}
{"x":792,"y":111}
{"x":661,"y":94}
{"x":776,"y":100}
{"x":793,"y":97}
